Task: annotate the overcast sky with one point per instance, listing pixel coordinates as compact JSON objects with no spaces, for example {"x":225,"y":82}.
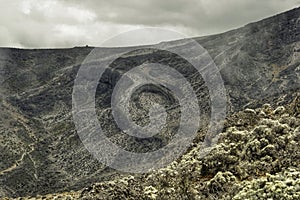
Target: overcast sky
{"x":68,"y":23}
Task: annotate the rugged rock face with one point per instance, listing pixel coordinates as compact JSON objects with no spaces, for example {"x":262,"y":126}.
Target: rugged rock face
{"x":259,"y":63}
{"x":257,"y":157}
{"x":264,"y":142}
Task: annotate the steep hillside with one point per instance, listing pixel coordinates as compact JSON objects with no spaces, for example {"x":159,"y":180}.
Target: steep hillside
{"x":41,"y":153}
{"x":257,"y":157}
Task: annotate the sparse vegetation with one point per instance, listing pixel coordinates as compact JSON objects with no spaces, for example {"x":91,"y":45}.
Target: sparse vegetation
{"x":257,"y":161}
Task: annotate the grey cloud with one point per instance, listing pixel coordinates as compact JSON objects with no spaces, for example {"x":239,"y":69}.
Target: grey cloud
{"x":202,"y":15}
{"x":66,"y":23}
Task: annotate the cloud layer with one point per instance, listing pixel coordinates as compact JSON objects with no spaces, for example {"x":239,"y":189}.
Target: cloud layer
{"x":68,"y":23}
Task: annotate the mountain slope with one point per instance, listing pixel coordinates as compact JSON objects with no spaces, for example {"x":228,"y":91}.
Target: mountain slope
{"x":256,"y":158}
{"x":40,"y":150}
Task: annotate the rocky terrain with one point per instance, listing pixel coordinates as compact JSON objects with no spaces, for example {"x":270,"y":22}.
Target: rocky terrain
{"x":256,"y":157}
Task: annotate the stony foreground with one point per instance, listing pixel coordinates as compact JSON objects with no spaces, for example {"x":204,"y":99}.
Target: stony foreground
{"x":257,"y":157}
